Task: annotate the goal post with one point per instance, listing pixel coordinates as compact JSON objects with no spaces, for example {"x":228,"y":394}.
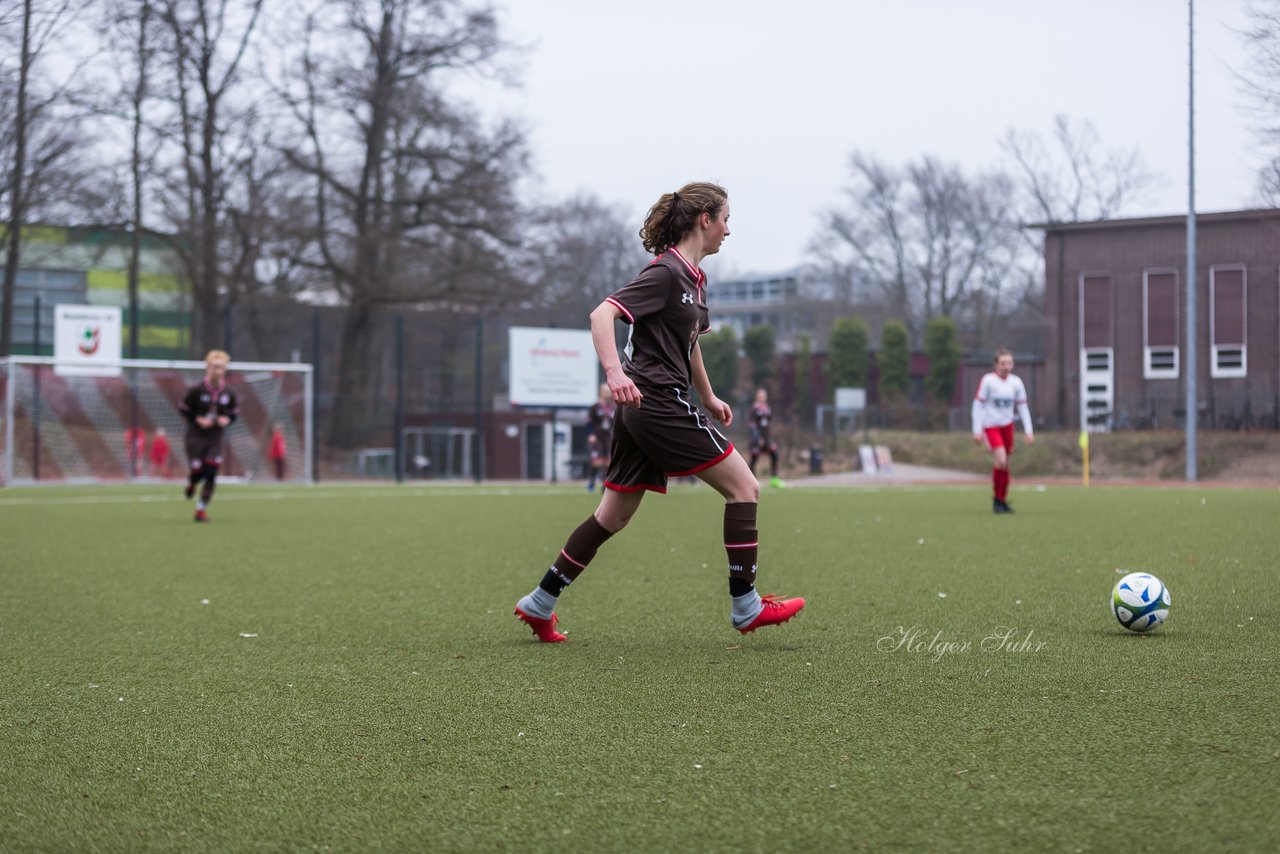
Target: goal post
{"x":60,"y":426}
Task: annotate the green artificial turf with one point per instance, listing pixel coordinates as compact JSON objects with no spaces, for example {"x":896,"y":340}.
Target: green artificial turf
{"x":387,"y":699}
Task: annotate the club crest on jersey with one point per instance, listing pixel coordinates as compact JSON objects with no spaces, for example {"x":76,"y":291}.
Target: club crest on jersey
{"x":687,"y":299}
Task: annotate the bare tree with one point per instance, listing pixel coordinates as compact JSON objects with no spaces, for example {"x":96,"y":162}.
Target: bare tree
{"x":921,"y":240}
{"x":135,"y":33}
{"x":1068,"y":177}
{"x":1269,"y":184}
{"x":26,"y":125}
{"x":137,"y":104}
{"x":413,"y":197}
{"x":1261,"y":83}
{"x":585,"y":249}
{"x":15,"y":180}
{"x":214,"y":126}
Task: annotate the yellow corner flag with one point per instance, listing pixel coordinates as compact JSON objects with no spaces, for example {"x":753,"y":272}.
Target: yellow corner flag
{"x":1084,"y":451}
{"x":1084,"y":440}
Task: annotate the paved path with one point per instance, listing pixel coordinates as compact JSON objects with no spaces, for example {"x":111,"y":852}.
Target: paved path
{"x":900,"y":474}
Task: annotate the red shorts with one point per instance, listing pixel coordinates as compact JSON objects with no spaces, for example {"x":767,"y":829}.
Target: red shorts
{"x":1000,"y":437}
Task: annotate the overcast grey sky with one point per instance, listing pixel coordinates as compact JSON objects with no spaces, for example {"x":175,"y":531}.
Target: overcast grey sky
{"x":768,"y":97}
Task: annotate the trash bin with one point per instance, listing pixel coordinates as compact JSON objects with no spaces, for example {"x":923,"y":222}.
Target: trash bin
{"x":815,"y":459}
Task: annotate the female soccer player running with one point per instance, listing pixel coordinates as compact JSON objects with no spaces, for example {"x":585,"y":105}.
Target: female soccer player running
{"x":1000,"y":395}
{"x":762,"y":441}
{"x":658,"y":432}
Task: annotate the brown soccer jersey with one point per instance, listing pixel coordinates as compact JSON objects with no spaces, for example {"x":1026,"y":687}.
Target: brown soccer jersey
{"x":667,"y":436}
{"x":666,"y":308}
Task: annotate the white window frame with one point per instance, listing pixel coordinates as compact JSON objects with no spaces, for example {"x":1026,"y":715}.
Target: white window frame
{"x":1094,"y":274}
{"x":1106,"y":394}
{"x":1151,"y":372}
{"x":1215,"y":369}
{"x":1219,"y":372}
{"x":1148,"y":371}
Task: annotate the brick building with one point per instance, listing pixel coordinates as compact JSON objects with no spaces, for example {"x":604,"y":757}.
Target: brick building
{"x":1115,"y":299}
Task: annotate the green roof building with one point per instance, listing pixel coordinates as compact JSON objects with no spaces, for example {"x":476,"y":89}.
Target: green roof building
{"x":88,"y":265}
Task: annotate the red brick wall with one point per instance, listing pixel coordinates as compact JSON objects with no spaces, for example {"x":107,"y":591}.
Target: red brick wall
{"x":1122,"y":250}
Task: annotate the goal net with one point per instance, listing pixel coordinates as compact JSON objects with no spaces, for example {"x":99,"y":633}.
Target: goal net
{"x":57,"y":426}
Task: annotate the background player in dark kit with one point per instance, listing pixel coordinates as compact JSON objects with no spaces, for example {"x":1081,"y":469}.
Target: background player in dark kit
{"x":658,"y":432}
{"x":209,"y":407}
{"x":762,"y":441}
{"x":599,"y":435}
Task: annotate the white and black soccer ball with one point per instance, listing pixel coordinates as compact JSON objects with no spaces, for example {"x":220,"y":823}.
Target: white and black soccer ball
{"x":1140,"y":602}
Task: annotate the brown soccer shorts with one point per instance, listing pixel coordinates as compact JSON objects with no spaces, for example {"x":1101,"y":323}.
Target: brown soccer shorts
{"x":668,"y":436}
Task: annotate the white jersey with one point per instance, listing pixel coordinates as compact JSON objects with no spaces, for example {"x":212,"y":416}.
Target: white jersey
{"x":998,"y":401}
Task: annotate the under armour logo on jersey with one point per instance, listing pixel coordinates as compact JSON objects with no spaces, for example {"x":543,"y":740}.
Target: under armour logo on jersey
{"x":687,"y":299}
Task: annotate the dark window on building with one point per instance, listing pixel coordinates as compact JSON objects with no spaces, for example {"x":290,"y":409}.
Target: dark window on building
{"x":1227,"y":298}
{"x":1160,"y":318}
{"x":1096,"y":319}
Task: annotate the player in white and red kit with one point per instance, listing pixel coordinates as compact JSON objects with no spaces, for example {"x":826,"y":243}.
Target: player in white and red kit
{"x":1001,"y":396}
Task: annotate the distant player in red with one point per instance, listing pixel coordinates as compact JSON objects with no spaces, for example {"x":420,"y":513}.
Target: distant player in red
{"x":210,"y":408}
{"x":658,"y":432}
{"x":599,"y":434}
{"x":160,"y":453}
{"x":762,"y":441}
{"x":279,"y":451}
{"x":1001,"y":395}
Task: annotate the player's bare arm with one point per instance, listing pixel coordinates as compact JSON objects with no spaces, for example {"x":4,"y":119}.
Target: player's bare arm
{"x":718,"y":409}
{"x":620,"y":385}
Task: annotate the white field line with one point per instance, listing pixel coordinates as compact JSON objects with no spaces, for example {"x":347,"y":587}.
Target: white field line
{"x":303,"y":493}
{"x":224,"y":496}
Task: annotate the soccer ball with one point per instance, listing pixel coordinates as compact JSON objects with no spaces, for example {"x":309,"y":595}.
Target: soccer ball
{"x":1140,"y":602}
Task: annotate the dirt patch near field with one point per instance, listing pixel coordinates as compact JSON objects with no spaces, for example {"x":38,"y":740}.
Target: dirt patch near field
{"x":1141,"y":456}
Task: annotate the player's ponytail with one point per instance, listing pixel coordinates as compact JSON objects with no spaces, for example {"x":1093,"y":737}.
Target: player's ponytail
{"x":674,"y":214}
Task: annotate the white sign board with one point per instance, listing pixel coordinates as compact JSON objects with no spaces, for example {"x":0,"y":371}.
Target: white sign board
{"x":552,"y":367}
{"x":850,"y":399}
{"x":87,"y":340}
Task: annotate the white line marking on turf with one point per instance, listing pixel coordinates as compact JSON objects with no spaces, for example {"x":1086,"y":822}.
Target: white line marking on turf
{"x":348,"y":491}
{"x":302,"y":494}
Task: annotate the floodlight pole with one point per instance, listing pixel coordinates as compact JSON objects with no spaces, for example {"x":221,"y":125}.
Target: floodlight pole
{"x":35,"y":397}
{"x":478,"y":451}
{"x":10,"y":378}
{"x":399,"y":410}
{"x":313,"y":388}
{"x":1193,"y":410}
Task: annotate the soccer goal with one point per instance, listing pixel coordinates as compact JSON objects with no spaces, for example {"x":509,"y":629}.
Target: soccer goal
{"x":61,"y":426}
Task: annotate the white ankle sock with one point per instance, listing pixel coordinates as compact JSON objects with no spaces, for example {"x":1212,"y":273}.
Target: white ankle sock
{"x":538,"y":603}
{"x":746,"y":608}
